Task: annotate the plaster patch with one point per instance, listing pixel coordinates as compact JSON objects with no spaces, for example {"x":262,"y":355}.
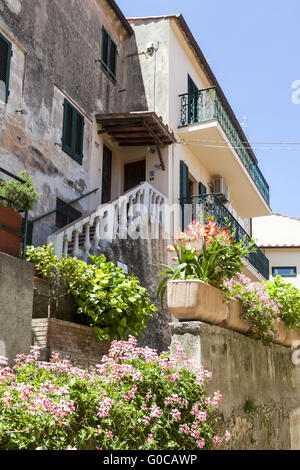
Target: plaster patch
{"x":14,"y":5}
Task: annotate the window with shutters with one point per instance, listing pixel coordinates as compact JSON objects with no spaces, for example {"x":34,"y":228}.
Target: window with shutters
{"x":109,"y":55}
{"x":73,"y":130}
{"x":5,"y":56}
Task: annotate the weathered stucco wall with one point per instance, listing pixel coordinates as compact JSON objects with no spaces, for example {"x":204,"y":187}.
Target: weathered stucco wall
{"x":16,"y":294}
{"x":260,"y":385}
{"x":141,"y":256}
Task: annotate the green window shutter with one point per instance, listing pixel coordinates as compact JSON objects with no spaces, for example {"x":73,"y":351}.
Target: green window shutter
{"x":78,"y":138}
{"x":105,"y":45}
{"x":113,"y":58}
{"x":108,"y":55}
{"x":184,"y":189}
{"x":184,"y":180}
{"x":5,"y":58}
{"x":106,"y":175}
{"x":202,"y":189}
{"x":192,"y":101}
{"x":73,"y":131}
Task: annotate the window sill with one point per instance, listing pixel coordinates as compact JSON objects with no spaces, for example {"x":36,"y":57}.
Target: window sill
{"x":72,"y":155}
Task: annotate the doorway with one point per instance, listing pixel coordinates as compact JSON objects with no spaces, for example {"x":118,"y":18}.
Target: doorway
{"x":106,"y":175}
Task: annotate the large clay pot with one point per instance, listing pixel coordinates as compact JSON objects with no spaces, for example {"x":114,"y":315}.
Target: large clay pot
{"x":282,"y":334}
{"x":10,"y":231}
{"x":196,"y":300}
{"x":292,"y":335}
{"x":234,"y":321}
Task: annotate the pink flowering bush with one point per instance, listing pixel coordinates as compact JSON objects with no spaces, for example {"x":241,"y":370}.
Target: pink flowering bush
{"x":259,"y":308}
{"x":206,"y":252}
{"x":134,"y":399}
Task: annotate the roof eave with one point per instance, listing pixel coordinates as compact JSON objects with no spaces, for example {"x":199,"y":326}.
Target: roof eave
{"x":120,"y":16}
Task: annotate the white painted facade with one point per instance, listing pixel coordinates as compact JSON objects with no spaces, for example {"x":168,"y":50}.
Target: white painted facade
{"x":165,"y":77}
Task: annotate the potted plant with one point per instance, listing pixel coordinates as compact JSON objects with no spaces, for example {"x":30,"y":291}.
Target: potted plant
{"x":16,"y":196}
{"x":205,"y":255}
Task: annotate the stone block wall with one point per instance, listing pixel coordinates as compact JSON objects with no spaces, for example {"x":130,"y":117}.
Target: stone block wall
{"x":76,"y":343}
{"x":16,"y":295}
{"x":141,"y":257}
{"x":260,"y":385}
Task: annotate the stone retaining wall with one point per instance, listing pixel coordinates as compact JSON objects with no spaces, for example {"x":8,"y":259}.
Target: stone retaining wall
{"x":260,"y":385}
{"x":16,"y":294}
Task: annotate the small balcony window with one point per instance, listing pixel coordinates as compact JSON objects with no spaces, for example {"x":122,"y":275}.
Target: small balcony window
{"x":5,"y":56}
{"x":109,"y":56}
{"x":65,"y":215}
{"x":73,"y":129}
{"x":284,"y":271}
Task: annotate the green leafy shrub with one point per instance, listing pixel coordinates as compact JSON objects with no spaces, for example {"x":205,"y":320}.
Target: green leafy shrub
{"x":289,"y":298}
{"x":134,"y":399}
{"x":115,"y":304}
{"x":259,"y":308}
{"x":22,"y":195}
{"x":206,"y":252}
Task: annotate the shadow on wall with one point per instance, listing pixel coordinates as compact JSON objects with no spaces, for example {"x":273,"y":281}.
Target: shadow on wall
{"x":141,"y":256}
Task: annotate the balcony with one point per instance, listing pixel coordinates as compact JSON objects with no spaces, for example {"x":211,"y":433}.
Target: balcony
{"x":209,"y":205}
{"x":205,"y":106}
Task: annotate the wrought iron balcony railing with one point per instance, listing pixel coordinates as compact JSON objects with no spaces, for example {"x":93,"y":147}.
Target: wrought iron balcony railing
{"x":209,"y":205}
{"x":207,"y":105}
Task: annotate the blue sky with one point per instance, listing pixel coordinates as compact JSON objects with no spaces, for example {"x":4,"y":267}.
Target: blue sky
{"x":253,"y":48}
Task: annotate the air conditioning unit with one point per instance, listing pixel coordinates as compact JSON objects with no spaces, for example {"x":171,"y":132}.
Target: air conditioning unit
{"x":220,"y":187}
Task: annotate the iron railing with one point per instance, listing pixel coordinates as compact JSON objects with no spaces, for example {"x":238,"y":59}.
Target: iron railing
{"x":54,"y":211}
{"x":23,"y":234}
{"x":209,"y":205}
{"x":206,"y":105}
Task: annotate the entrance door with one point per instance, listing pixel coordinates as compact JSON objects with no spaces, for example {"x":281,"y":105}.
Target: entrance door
{"x":134,"y":173}
{"x":106,"y":175}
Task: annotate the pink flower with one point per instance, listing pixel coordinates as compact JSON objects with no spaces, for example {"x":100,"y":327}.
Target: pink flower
{"x":146,"y":420}
{"x":217,"y":440}
{"x":200,"y":443}
{"x":227,"y":436}
{"x":155,"y":411}
{"x":176,"y":414}
{"x":110,"y":435}
{"x":150,"y":438}
{"x":99,"y":429}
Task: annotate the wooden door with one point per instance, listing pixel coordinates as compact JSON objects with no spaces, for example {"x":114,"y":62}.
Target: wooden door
{"x":134,"y":174}
{"x":106,"y":175}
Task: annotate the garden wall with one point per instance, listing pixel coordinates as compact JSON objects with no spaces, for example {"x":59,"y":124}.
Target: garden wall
{"x":260,"y":385}
{"x":74,"y":342}
{"x":16,"y":294}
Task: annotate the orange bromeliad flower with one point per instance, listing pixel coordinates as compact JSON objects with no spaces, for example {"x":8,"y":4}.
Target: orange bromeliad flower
{"x":192,"y":239}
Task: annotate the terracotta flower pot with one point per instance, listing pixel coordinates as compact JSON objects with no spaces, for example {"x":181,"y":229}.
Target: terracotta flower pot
{"x":291,"y":336}
{"x":234,"y":321}
{"x":282,"y":334}
{"x":10,"y":222}
{"x":196,"y":300}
